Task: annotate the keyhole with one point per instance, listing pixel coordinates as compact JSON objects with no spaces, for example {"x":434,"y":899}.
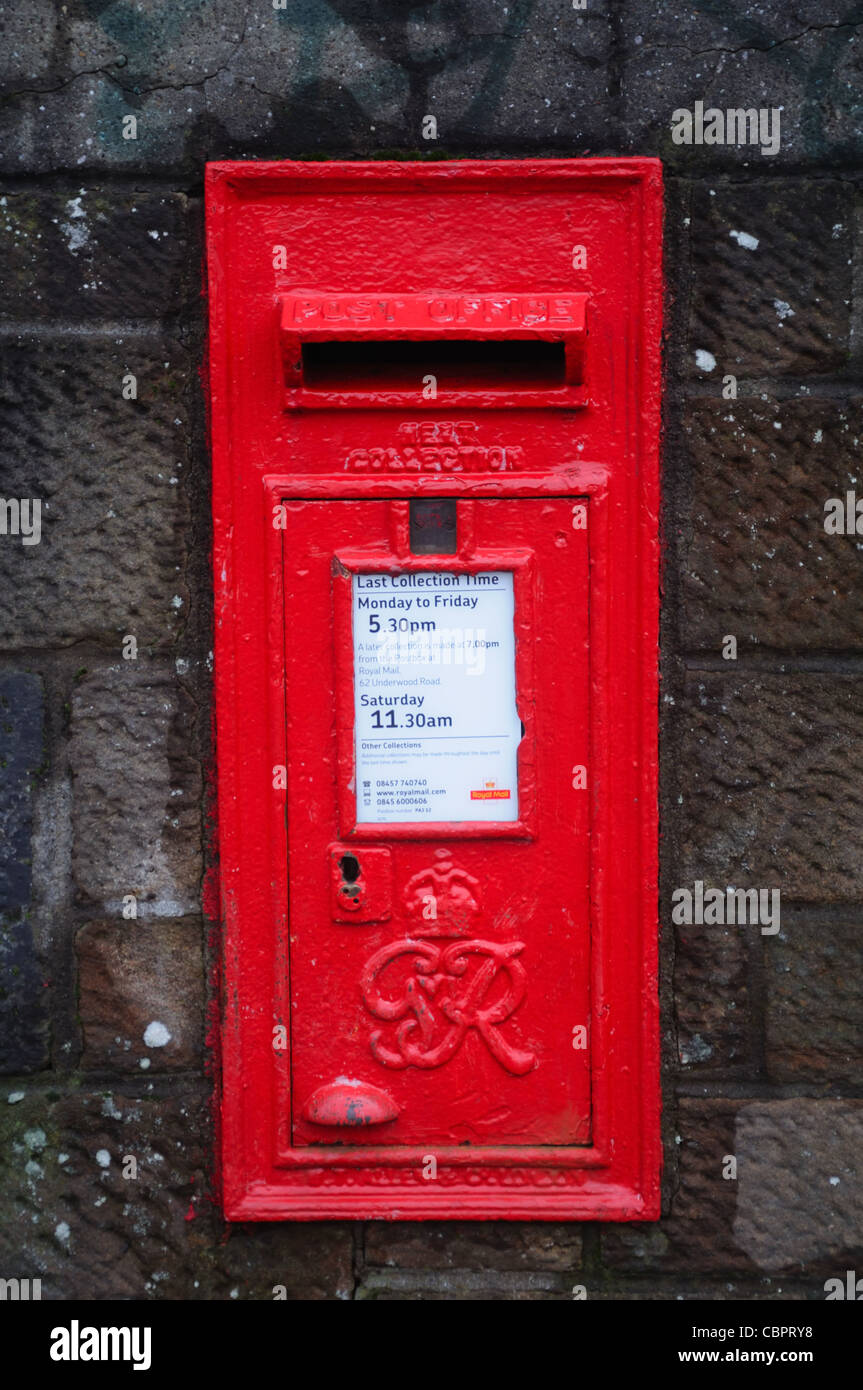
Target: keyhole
{"x":350,"y":867}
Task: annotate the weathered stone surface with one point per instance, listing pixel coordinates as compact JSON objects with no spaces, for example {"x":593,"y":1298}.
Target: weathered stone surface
{"x":772,"y":790}
{"x":814,"y":1017}
{"x":756,"y":560}
{"x":95,"y":254}
{"x":698,"y":1289}
{"x":269,"y":1260}
{"x":141,"y":995}
{"x":27,"y":35}
{"x":463,"y":1286}
{"x":137,"y":790}
{"x":74,"y":1220}
{"x":698,"y":1233}
{"x":798,"y":1203}
{"x":23,"y":1004}
{"x":783,"y":305}
{"x":466,"y":1245}
{"x":108,"y":473}
{"x":793,"y":1207}
{"x":21,"y":755}
{"x":743,"y":54}
{"x":23,"y":1021}
{"x":712,"y":997}
{"x":542,"y":80}
{"x":354,"y":78}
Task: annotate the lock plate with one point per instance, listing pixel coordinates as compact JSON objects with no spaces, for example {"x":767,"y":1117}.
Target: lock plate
{"x":361,"y":884}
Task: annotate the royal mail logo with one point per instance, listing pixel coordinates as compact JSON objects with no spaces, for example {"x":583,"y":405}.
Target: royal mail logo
{"x":490,"y":792}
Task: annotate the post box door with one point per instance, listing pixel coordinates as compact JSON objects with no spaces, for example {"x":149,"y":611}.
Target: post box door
{"x":437,"y":687}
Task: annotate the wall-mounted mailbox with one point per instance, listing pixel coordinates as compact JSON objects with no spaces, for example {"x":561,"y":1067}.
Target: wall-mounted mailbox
{"x":434,"y":417}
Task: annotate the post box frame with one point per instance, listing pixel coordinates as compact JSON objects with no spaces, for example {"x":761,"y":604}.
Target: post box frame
{"x":616,"y":1176}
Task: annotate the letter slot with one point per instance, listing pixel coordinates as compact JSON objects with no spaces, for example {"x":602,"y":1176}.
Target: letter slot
{"x":501,"y":350}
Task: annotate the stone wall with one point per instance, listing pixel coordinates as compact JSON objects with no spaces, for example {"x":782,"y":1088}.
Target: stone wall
{"x":106,"y":1102}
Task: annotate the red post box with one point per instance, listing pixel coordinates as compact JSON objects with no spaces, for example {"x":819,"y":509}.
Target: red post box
{"x":435,"y":420}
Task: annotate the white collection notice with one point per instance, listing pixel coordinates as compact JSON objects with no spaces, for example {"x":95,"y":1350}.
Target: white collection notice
{"x":437,"y":730}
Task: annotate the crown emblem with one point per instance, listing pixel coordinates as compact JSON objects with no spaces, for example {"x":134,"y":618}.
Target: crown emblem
{"x":444,"y":899}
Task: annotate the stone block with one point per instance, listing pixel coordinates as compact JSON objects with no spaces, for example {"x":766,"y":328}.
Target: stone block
{"x":137,"y":791}
{"x":756,"y":561}
{"x":771,"y":771}
{"x":141,"y":995}
{"x":23,"y":1014}
{"x":109,"y":475}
